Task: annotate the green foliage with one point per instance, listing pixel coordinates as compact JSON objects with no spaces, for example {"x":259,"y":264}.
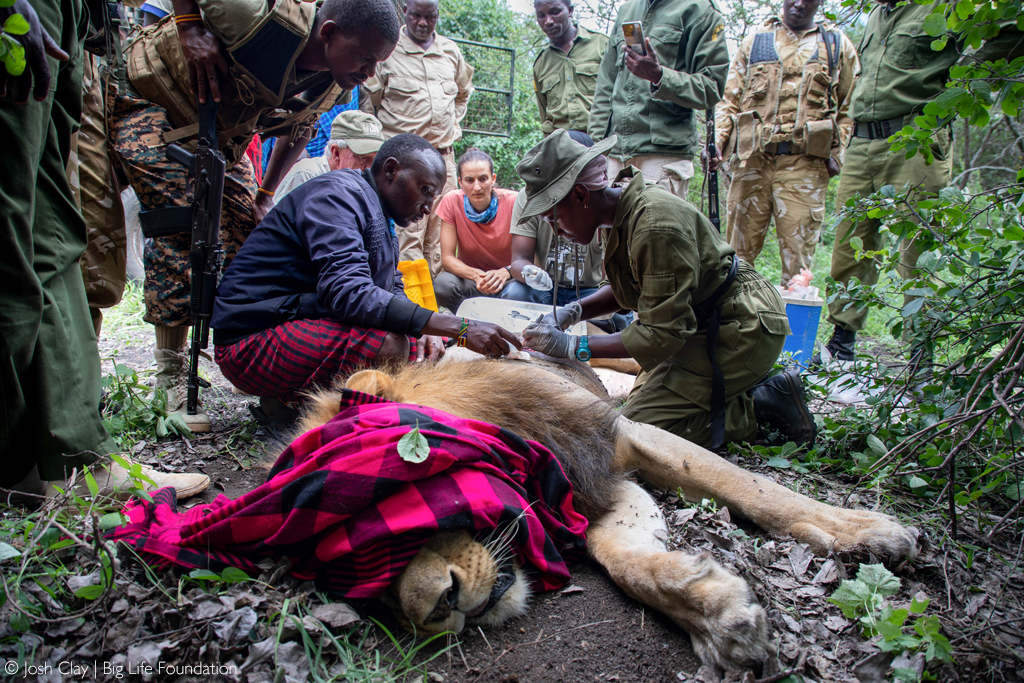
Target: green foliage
{"x":134,"y":411}
{"x":12,"y":53}
{"x":865,"y":599}
{"x":958,"y":313}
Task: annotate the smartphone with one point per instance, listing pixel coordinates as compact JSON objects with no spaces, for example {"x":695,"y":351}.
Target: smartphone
{"x":633,"y":31}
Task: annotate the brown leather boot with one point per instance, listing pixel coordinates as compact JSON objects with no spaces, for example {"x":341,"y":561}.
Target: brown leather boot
{"x":172,"y":376}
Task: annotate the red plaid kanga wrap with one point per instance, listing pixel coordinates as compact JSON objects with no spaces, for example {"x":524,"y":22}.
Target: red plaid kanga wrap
{"x":348,"y":511}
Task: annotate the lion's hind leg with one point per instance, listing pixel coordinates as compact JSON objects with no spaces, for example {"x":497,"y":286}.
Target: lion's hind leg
{"x":729,"y":629}
{"x":670,"y":462}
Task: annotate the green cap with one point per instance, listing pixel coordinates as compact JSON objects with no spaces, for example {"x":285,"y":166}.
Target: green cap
{"x":360,"y":131}
{"x":551,"y":168}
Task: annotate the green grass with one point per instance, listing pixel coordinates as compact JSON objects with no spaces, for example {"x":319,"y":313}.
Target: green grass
{"x":123,"y":323}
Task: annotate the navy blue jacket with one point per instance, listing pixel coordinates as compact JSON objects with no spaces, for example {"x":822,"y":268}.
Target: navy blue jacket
{"x":325,"y":251}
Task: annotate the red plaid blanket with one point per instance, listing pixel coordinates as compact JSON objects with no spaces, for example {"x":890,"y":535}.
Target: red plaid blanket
{"x":349,"y":512}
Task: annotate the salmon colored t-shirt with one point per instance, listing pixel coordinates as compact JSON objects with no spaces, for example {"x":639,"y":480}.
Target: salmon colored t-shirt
{"x":487,"y":246}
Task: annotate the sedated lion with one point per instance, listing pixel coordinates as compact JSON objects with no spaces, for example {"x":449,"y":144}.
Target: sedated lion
{"x":456,"y":579}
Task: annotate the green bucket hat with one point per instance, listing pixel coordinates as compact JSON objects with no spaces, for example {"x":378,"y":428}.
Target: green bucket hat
{"x":551,"y":168}
{"x":360,"y":131}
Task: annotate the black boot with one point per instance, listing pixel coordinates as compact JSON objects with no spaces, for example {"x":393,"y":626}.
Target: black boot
{"x":274,"y":414}
{"x":841,"y":346}
{"x":779,"y":403}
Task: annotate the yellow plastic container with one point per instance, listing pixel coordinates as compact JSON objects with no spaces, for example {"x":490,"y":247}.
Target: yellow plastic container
{"x":418,"y":285}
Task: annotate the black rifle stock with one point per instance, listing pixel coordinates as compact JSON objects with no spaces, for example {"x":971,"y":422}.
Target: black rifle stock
{"x":206,"y":169}
{"x":712,"y":176}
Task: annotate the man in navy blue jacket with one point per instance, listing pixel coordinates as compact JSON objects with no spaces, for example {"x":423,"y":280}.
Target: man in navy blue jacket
{"x":314,"y":292}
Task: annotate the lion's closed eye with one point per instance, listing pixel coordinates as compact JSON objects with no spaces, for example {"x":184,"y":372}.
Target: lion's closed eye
{"x":446,"y":603}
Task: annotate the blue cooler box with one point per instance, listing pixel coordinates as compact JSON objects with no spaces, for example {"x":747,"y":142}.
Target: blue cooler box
{"x":804,"y":316}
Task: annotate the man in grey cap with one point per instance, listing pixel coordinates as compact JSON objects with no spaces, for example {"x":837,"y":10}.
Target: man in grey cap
{"x":708,"y":327}
{"x":355,"y":138}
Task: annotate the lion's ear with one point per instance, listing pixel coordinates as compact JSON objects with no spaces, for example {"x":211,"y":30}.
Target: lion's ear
{"x":372,"y":382}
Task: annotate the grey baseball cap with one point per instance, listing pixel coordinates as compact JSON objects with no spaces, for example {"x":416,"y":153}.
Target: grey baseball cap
{"x":360,"y":131}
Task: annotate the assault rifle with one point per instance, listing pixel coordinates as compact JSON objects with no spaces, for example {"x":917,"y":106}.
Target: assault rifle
{"x":712,"y":176}
{"x":206,"y":171}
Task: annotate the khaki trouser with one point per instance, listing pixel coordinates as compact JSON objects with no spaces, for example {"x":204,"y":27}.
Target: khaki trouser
{"x":670,"y":173}
{"x":789,"y":187}
{"x":869,"y":166}
{"x":422,"y":239}
{"x":676,"y":395}
{"x":95,"y":187}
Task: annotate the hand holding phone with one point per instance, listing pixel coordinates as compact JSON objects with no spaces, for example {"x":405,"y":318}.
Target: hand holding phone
{"x":633,"y":32}
{"x":641,"y":60}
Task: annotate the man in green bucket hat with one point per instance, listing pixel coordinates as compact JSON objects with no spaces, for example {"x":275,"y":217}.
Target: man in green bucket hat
{"x":708,"y":327}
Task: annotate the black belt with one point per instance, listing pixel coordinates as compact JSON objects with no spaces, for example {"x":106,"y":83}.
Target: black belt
{"x":783,"y":148}
{"x":875,"y":130}
{"x":708,"y":309}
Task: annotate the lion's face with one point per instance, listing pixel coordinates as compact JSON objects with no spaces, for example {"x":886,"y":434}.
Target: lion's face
{"x":454,"y":580}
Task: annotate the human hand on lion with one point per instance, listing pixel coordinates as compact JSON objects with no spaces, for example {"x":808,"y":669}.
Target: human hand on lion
{"x":429,"y":347}
{"x":564,"y":318}
{"x":550,"y":340}
{"x":489,"y":339}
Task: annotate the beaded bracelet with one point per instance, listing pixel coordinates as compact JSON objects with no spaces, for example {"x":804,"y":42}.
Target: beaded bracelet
{"x":269,"y":193}
{"x":461,"y":339}
{"x":186,"y":18}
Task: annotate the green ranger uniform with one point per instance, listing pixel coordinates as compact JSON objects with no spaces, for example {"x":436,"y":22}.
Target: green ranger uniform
{"x":565,"y":83}
{"x":663,"y":259}
{"x":899,"y":74}
{"x":689,"y":40}
{"x":49,"y":363}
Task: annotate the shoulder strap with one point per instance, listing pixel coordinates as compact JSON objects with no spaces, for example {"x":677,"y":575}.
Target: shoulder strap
{"x":831,"y":39}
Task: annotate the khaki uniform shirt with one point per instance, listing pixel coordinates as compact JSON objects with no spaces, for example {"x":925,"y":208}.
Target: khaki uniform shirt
{"x":421,"y":91}
{"x":899,"y":69}
{"x":662,"y":257}
{"x":794,"y":49}
{"x":565,"y":83}
{"x":689,"y":39}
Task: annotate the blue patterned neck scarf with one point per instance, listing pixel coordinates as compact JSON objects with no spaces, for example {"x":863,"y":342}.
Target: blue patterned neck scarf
{"x":481,"y":216}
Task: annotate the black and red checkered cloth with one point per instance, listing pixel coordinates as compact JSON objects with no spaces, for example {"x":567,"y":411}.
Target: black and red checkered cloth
{"x":348,"y":511}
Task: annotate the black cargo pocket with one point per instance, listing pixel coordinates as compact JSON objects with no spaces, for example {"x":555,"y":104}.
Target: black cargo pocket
{"x":774,"y":329}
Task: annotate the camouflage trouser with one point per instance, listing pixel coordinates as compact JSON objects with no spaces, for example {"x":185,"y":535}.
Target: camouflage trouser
{"x":789,"y":187}
{"x":96,"y":191}
{"x":868,"y":167}
{"x":670,"y":173}
{"x":422,"y":239}
{"x":136,"y":134}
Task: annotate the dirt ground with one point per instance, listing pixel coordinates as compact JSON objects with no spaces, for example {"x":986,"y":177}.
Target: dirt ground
{"x":589,"y":631}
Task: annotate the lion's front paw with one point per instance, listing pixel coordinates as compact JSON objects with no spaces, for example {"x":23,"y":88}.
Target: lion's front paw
{"x":727,"y":626}
{"x":859,"y":532}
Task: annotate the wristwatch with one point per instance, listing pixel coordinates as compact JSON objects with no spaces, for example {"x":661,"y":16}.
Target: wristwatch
{"x":583,"y":350}
{"x":509,"y":269}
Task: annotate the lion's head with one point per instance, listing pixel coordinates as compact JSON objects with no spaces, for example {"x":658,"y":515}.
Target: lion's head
{"x":455,"y":580}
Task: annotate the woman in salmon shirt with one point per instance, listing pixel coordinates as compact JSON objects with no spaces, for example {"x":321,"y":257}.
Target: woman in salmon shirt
{"x":476,"y":246}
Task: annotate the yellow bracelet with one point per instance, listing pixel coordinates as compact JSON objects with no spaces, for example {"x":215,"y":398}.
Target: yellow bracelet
{"x":186,"y":18}
{"x":266,"y":192}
